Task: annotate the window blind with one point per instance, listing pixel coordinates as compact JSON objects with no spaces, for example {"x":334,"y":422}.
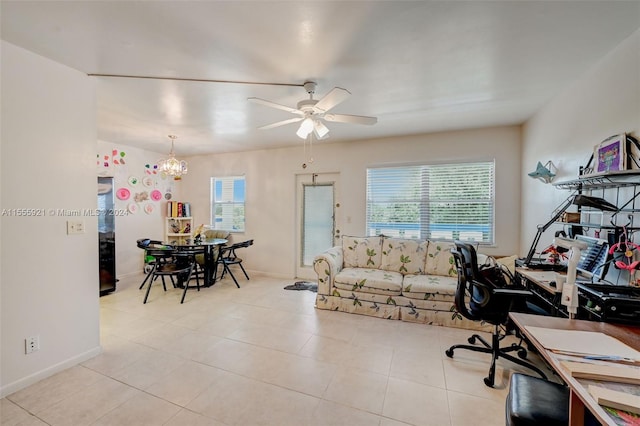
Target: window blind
{"x":441,"y":201}
{"x":228,"y":203}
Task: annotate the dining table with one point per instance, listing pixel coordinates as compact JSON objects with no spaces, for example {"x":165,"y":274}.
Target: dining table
{"x":211,"y":250}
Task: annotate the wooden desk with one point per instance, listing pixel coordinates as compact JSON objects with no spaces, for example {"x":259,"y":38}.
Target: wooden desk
{"x":538,"y":282}
{"x":580,"y":397}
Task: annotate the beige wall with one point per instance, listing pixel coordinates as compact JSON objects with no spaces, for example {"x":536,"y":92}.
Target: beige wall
{"x":48,"y":279}
{"x":131,"y":224}
{"x":604,"y":101}
{"x":271,"y":190}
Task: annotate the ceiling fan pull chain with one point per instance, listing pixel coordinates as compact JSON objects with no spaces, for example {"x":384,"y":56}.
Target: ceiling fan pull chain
{"x":304,"y":153}
{"x":310,"y":161}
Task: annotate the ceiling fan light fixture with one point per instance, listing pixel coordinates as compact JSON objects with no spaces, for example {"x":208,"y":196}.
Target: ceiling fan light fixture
{"x":171,"y":166}
{"x":306,"y":127}
{"x":320,"y":129}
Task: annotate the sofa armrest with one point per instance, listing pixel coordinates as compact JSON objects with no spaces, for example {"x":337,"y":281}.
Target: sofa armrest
{"x":327,"y":265}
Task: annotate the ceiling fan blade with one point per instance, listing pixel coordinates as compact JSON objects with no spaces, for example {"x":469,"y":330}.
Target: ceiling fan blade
{"x":280,"y":123}
{"x":333,"y":98}
{"x":353,"y":119}
{"x":274,"y":105}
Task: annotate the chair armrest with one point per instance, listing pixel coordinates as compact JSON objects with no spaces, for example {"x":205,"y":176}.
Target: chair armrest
{"x":327,"y":265}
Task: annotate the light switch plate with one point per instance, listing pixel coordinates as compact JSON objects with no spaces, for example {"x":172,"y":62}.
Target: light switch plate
{"x":75,"y":227}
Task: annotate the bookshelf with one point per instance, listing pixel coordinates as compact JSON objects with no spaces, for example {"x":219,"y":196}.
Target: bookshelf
{"x":178,"y":223}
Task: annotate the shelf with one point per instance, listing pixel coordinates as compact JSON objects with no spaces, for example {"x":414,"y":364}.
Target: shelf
{"x":183,"y":224}
{"x":596,"y":226}
{"x":609,"y":180}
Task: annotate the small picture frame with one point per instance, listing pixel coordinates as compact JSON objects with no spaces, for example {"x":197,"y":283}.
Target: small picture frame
{"x":610,"y":155}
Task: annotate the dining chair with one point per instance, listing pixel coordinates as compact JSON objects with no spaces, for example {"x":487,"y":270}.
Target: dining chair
{"x":146,"y":244}
{"x":178,"y":269}
{"x":210,"y":234}
{"x":186,"y":256}
{"x":228,"y":257}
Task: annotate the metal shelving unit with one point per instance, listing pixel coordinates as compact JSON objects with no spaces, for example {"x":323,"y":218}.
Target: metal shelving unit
{"x":621,"y":188}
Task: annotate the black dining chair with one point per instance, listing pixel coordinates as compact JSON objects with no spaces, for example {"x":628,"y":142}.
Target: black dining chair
{"x":179,"y":269}
{"x":145,"y":244}
{"x":210,"y":234}
{"x":479,"y":299}
{"x":187,"y":257}
{"x":228,"y":257}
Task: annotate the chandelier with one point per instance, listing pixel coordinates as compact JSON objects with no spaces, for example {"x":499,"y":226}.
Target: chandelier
{"x":171,"y":166}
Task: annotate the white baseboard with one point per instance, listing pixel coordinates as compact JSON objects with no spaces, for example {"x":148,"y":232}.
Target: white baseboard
{"x":48,"y":372}
{"x":252,"y":272}
{"x":130,"y":274}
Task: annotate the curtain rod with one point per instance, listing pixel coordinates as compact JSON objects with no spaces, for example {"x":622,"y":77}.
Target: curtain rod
{"x":201,"y":80}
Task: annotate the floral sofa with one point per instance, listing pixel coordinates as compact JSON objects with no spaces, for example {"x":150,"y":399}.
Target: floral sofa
{"x":393,"y":278}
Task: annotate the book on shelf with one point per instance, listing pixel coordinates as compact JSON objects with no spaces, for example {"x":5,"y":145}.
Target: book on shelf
{"x":178,"y":209}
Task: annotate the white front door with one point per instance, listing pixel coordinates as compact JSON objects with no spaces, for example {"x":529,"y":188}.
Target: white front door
{"x":318,"y":219}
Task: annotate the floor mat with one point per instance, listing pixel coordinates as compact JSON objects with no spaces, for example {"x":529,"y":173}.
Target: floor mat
{"x":303,"y":285}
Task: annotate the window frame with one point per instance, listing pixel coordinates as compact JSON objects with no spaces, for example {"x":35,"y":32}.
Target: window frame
{"x":213,"y":204}
{"x":421,"y":200}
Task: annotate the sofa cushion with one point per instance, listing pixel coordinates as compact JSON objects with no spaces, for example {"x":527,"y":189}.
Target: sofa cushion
{"x":362,"y":252}
{"x":404,"y":256}
{"x":419,"y":286}
{"x":368,"y":280}
{"x":440,"y":260}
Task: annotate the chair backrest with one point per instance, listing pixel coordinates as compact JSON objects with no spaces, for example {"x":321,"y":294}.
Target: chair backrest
{"x":144,"y":243}
{"x":473,"y":298}
{"x":229,"y":252}
{"x":187,"y":255}
{"x":211,"y":234}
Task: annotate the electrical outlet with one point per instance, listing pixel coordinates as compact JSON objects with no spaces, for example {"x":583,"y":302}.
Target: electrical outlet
{"x":75,"y":227}
{"x":31,"y":344}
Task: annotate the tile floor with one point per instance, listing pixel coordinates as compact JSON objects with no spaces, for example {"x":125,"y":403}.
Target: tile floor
{"x":261,"y":355}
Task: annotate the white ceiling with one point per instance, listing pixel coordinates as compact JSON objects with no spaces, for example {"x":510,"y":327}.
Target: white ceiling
{"x":419,"y":66}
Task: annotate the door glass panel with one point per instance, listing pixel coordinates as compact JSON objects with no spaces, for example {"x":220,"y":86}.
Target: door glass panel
{"x":317,"y":221}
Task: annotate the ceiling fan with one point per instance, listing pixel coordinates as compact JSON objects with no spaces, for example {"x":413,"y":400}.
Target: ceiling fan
{"x":312,"y":113}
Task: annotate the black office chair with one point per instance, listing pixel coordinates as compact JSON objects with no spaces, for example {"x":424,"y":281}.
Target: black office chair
{"x":479,"y":299}
{"x":229,"y":257}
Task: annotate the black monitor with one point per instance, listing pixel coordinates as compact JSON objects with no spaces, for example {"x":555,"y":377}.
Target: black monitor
{"x":593,"y":260}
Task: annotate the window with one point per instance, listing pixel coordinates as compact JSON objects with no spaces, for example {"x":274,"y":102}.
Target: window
{"x":227,"y":203}
{"x":440,"y":201}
